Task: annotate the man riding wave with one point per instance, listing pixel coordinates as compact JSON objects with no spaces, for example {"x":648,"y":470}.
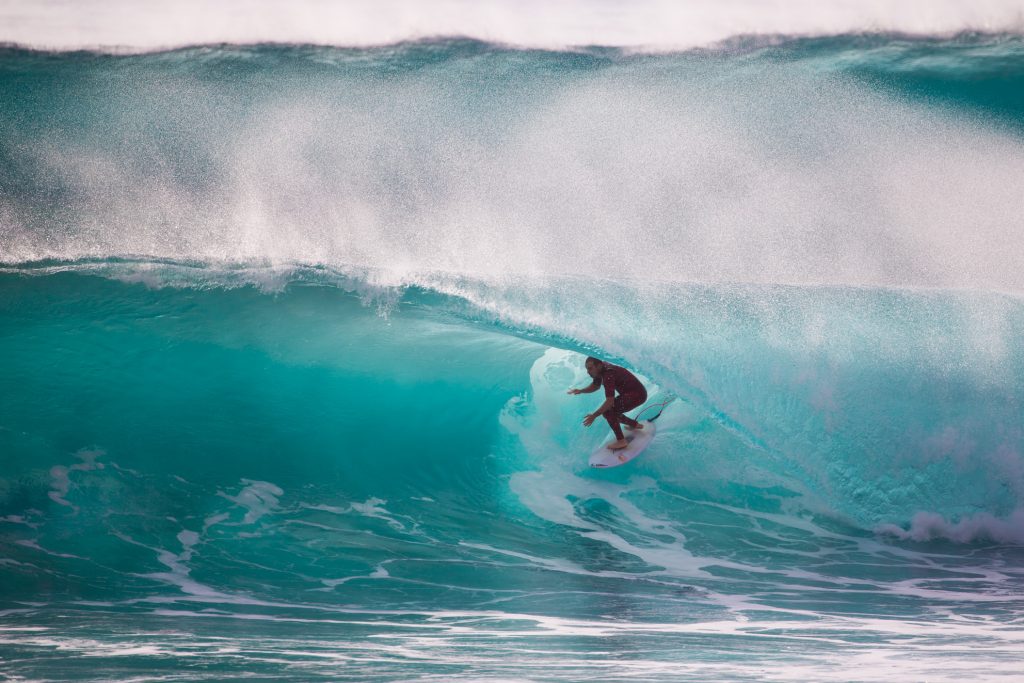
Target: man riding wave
{"x":631,"y":395}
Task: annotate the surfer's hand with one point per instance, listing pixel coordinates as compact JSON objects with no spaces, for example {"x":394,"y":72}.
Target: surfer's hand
{"x":575,"y":392}
{"x":588,"y":420}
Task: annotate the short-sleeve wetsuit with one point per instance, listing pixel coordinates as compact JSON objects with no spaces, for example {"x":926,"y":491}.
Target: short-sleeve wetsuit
{"x":631,"y":395}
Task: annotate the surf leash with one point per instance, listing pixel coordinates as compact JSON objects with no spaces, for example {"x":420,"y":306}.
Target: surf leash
{"x":663,"y":404}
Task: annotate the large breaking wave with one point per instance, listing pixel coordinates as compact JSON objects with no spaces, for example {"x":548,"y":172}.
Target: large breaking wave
{"x":287,"y":331}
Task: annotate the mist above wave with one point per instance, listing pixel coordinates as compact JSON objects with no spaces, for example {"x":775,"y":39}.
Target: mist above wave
{"x":648,"y":24}
{"x":509,"y":165}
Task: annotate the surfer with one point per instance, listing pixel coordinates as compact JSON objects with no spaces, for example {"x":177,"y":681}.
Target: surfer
{"x":631,"y":395}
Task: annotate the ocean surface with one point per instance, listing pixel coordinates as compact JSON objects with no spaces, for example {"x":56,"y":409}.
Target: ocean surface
{"x":287,"y":329}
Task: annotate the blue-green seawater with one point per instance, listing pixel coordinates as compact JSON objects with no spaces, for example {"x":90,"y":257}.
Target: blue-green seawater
{"x":286,"y":335}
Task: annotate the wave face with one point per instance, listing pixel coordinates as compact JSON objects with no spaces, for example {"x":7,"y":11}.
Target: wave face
{"x":287,"y":334}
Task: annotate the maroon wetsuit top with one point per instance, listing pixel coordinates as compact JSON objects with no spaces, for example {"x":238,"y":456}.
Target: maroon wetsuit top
{"x":615,"y":378}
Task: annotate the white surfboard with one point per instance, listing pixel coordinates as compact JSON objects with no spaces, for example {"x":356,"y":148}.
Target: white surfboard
{"x":638,"y":441}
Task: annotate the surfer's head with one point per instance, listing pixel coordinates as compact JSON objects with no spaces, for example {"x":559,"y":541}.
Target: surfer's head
{"x":594,"y":366}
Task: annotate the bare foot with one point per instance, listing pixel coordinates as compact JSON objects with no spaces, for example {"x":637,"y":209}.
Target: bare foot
{"x":639,"y":425}
{"x":618,"y":445}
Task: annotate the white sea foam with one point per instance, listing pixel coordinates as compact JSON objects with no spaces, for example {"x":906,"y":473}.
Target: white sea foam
{"x":35,"y":546}
{"x":483,"y":646}
{"x":372,"y":507}
{"x":60,"y":475}
{"x":259,"y":498}
{"x":652,"y":24}
{"x":983,"y":526}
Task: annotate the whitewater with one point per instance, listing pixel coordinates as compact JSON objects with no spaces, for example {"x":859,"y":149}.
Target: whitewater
{"x":291,"y":299}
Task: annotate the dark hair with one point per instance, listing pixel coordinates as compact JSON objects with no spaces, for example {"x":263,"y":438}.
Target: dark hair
{"x":591,"y":359}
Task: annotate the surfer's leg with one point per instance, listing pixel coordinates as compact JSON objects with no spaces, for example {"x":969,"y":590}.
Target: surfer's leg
{"x":626,"y":402}
{"x":614,"y":416}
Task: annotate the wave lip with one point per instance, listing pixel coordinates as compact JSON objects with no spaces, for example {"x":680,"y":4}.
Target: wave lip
{"x":646,"y":25}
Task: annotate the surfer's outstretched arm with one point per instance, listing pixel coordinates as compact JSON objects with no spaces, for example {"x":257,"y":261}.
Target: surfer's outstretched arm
{"x":586,"y":390}
{"x":601,"y":410}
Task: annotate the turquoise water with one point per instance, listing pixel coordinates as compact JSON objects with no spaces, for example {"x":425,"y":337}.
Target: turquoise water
{"x":287,"y":333}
